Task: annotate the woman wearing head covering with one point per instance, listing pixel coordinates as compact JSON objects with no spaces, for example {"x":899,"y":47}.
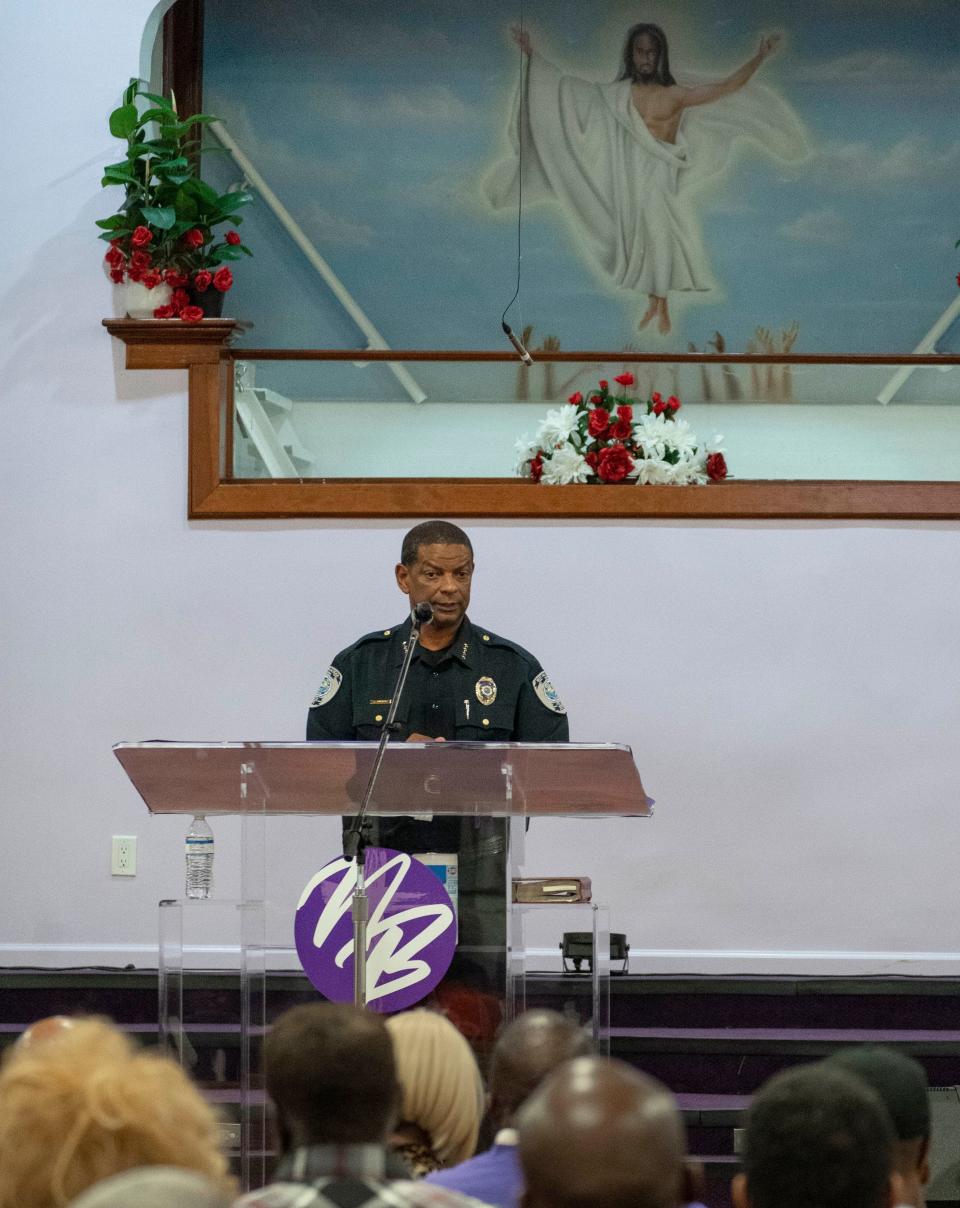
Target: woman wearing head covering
{"x":442,"y":1092}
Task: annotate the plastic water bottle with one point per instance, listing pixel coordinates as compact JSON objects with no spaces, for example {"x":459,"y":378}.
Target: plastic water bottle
{"x":199,"y":848}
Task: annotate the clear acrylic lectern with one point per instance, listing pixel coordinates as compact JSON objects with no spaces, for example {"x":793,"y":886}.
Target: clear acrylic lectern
{"x":259,"y":781}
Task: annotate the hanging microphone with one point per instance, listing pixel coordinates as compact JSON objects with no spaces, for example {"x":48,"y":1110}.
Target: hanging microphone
{"x":521,"y":351}
{"x":422,"y":613}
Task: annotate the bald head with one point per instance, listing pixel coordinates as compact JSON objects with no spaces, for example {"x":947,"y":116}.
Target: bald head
{"x":529,"y":1049}
{"x":597,"y":1133}
{"x":45,"y":1029}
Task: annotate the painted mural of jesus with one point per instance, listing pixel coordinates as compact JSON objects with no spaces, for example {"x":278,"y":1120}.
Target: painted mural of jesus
{"x":616,"y":157}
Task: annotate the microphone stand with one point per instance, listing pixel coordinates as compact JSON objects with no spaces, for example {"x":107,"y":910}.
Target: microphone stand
{"x":355,"y":841}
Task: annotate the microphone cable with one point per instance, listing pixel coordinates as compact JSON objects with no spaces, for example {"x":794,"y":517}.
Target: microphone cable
{"x":507,"y":329}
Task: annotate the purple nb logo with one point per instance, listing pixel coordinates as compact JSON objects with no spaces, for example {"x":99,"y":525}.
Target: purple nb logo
{"x":411,"y":935}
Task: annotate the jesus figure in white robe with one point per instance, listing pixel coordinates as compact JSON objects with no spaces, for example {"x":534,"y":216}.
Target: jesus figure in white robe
{"x":619,"y":157}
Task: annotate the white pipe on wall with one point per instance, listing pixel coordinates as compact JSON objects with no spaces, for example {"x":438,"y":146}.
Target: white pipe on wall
{"x":296,"y":233}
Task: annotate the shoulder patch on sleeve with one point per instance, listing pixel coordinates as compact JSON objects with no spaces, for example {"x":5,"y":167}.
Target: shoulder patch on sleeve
{"x":329,"y":687}
{"x":547,"y":694}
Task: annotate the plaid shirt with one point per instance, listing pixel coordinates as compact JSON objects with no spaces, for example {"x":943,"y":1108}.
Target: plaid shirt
{"x":349,"y":1176}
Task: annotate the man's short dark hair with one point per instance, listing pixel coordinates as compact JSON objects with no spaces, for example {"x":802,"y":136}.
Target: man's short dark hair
{"x":329,"y":1069}
{"x":432,"y":532}
{"x":900,"y":1082}
{"x":817,"y":1137}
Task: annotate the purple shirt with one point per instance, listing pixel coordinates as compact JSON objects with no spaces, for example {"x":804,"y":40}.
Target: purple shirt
{"x":494,"y":1177}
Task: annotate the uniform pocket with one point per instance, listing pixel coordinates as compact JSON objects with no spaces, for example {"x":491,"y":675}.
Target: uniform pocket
{"x":492,"y":722}
{"x":369,"y":716}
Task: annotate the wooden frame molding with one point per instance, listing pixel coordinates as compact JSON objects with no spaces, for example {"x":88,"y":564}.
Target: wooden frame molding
{"x":202,"y":349}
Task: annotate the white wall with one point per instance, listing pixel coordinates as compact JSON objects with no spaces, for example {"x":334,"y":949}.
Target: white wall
{"x":789,"y":689}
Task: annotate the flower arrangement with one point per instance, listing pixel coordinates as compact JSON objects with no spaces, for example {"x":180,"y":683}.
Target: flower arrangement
{"x":613,"y":438}
{"x":163,"y":232}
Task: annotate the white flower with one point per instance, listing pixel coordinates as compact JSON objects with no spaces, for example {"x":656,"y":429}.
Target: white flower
{"x":651,"y":432}
{"x":558,"y":426}
{"x":681,"y":436}
{"x":525,"y":449}
{"x":565,"y":466}
{"x":654,"y":472}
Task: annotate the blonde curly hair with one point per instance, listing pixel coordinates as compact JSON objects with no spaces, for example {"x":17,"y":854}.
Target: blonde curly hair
{"x":440,"y":1083}
{"x":85,"y":1104}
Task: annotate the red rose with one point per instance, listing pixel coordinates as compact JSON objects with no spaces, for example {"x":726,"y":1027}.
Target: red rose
{"x":175,"y":278}
{"x":141,"y":260}
{"x":141,"y":236}
{"x":576,"y":399}
{"x":233,"y":237}
{"x":621,"y":430}
{"x":614,"y":463}
{"x":191,"y":314}
{"x":114,"y":257}
{"x":194,"y":238}
{"x":591,"y":459}
{"x":179,"y":299}
{"x":655,"y":397}
{"x":164,"y":312}
{"x":716,"y":467}
{"x":604,"y":385}
{"x":625,"y":411}
{"x":151,"y":279}
{"x":659,"y":407}
{"x":673,"y":403}
{"x":598,"y":421}
{"x":596,"y":399}
{"x":201,"y":280}
{"x":134,"y":274}
{"x":624,"y":379}
{"x":536,"y":466}
{"x":116,"y":275}
{"x":223,"y":279}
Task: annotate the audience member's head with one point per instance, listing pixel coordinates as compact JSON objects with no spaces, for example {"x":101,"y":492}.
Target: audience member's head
{"x":85,"y":1104}
{"x":441,"y":1091}
{"x":817,"y":1137}
{"x":45,"y":1029}
{"x":155,"y":1187}
{"x":902,"y":1085}
{"x":329,"y":1069}
{"x":528,"y":1049}
{"x":598,"y":1134}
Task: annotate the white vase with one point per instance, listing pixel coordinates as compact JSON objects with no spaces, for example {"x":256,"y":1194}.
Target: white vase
{"x":140,"y":302}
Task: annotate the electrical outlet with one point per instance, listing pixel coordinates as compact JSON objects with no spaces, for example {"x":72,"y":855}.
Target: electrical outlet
{"x":123,"y":860}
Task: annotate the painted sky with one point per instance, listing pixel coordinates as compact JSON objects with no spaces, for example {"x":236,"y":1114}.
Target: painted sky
{"x":375,"y":123}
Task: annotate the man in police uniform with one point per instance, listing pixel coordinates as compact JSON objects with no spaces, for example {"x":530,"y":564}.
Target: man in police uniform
{"x":464,"y":683}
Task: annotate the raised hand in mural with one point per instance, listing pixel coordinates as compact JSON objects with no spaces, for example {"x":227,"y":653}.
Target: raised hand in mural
{"x":550,"y":344}
{"x":788,"y":337}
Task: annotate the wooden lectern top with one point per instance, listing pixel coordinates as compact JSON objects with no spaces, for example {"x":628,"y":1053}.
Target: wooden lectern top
{"x":486,"y":778}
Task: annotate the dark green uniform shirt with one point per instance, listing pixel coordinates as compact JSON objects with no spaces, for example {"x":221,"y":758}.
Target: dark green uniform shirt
{"x":481,"y":688}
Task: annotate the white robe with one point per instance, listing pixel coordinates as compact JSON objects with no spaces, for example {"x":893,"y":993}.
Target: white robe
{"x":586,"y":146}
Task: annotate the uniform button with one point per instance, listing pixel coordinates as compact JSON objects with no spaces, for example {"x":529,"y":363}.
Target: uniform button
{"x":434,"y":706}
{"x":387,"y":632}
{"x":379,"y":717}
{"x":486,"y":637}
{"x":486,"y":721}
{"x":436,"y":675}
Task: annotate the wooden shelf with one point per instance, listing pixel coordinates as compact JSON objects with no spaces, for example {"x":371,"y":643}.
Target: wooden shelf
{"x":214,"y":494}
{"x":171,"y":343}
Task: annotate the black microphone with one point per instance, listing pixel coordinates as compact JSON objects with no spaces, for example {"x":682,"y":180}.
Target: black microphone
{"x":422,"y":613}
{"x":508,"y":332}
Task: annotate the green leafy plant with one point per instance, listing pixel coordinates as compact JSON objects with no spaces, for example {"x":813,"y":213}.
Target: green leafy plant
{"x":163,"y":231}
